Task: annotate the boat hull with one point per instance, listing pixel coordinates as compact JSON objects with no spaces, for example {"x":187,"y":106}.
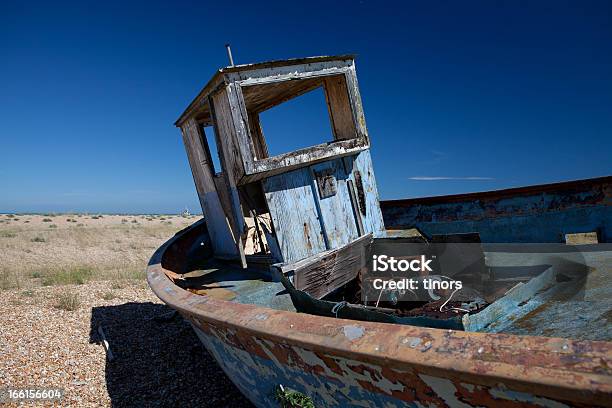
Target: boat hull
{"x":339,"y":362}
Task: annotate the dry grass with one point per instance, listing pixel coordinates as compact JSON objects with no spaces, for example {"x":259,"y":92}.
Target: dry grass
{"x":7,"y":234}
{"x":35,"y":253}
{"x":68,"y":301}
{"x":66,"y":276}
{"x":108,"y":295}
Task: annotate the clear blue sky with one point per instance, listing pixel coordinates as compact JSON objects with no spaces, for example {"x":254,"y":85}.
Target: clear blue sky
{"x":458,"y":96}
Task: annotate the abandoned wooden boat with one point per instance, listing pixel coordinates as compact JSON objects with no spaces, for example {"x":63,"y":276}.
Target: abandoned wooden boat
{"x":269,"y":279}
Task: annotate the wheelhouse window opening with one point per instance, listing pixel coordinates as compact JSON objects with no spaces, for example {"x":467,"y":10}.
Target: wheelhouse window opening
{"x":296,"y":124}
{"x":300,"y":105}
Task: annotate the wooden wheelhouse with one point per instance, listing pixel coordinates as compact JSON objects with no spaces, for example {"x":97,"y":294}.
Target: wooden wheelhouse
{"x":287,"y":207}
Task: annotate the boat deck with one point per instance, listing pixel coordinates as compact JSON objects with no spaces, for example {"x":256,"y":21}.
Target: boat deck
{"x":579,"y":303}
{"x":229,"y":282}
{"x":575,"y":302}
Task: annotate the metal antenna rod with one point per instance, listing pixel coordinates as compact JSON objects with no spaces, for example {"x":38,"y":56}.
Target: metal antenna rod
{"x":229,"y":54}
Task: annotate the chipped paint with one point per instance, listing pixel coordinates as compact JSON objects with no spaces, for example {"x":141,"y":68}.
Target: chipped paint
{"x":412,"y":341}
{"x":445,"y":389}
{"x":523,"y":397}
{"x":353,"y":332}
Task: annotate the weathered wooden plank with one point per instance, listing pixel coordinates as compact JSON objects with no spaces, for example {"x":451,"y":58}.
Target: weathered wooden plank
{"x":227,"y":133}
{"x":202,"y":150}
{"x":356,"y":104}
{"x":339,"y":107}
{"x":259,"y":142}
{"x":294,"y":215}
{"x":582,"y":238}
{"x":192,"y":137}
{"x":258,"y":98}
{"x":289,"y":72}
{"x":221,"y":237}
{"x":231,"y":162}
{"x":336,"y":210}
{"x":372,"y":219}
{"x":244,"y":154}
{"x":224,"y":198}
{"x":289,"y":62}
{"x":302,"y":157}
{"x":329,"y":270}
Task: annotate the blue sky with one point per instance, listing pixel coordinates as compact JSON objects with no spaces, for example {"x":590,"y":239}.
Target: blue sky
{"x":458,"y":96}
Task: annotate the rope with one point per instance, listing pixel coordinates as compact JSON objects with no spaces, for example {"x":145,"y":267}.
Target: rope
{"x":338,"y":306}
{"x":452,"y":308}
{"x":448,"y":300}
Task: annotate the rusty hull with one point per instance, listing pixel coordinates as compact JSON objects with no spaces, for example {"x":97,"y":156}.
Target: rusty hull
{"x":532,"y":214}
{"x":341,"y":362}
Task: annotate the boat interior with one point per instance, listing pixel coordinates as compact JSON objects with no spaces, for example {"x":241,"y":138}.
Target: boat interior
{"x":296,"y":231}
{"x":552,"y":290}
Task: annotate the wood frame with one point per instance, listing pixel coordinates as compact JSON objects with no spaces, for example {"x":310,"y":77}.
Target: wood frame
{"x":249,"y":161}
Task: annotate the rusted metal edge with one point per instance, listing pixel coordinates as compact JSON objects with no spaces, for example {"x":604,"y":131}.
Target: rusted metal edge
{"x":552,"y":367}
{"x":498,"y":194}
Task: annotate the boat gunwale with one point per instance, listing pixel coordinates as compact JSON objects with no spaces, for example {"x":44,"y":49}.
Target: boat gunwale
{"x":498,"y":194}
{"x":544,"y":366}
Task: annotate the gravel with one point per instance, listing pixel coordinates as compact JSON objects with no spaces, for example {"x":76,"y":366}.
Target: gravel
{"x":157,"y":363}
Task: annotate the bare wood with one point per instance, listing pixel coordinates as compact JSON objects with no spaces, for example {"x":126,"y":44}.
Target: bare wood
{"x":259,"y":142}
{"x":230,"y":161}
{"x":339,"y":107}
{"x":303,"y":157}
{"x":217,"y":215}
{"x":291,"y":62}
{"x":289,"y":72}
{"x":224,"y":198}
{"x":198,"y":161}
{"x":356,"y":104}
{"x":226,"y":135}
{"x":261,"y":97}
{"x":321,"y":274}
{"x":582,"y":238}
{"x":241,"y":144}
